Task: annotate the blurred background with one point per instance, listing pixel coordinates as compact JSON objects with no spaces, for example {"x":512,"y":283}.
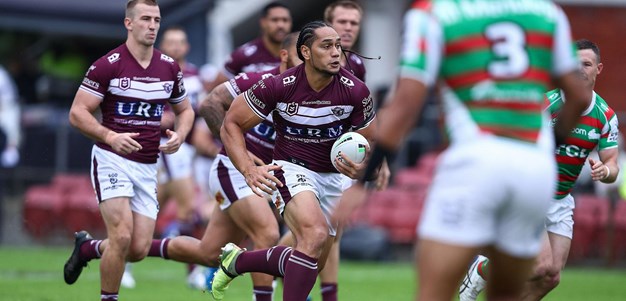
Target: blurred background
{"x":46,"y":47}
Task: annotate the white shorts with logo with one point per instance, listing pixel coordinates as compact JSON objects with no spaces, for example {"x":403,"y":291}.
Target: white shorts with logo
{"x":177,"y":165}
{"x":560,"y":217}
{"x":226,"y":183}
{"x":492,"y":191}
{"x":327,"y":187}
{"x":113,"y":176}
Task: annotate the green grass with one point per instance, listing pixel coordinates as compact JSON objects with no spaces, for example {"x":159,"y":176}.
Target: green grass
{"x":36,"y":274}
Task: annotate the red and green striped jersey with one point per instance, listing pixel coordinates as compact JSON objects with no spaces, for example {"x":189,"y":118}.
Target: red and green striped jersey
{"x":493,"y":60}
{"x":597,"y":127}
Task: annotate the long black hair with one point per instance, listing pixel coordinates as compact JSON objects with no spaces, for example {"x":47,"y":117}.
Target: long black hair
{"x":307,"y":35}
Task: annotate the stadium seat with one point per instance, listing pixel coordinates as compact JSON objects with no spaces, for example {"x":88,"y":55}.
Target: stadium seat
{"x":412,"y":178}
{"x":42,"y":210}
{"x":70,"y":182}
{"x":590,"y":219}
{"x":81,"y":212}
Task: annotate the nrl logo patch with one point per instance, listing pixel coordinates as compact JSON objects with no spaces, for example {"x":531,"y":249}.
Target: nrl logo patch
{"x":124,"y":83}
{"x":292,"y":108}
{"x":338,"y":111}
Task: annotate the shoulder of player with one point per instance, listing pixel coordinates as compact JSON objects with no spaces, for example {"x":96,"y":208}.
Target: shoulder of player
{"x":248,"y":49}
{"x":348,"y":80}
{"x":602,"y":106}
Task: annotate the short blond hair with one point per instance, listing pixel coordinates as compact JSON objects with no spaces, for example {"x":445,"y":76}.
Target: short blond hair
{"x":132,"y":3}
{"x":330,"y":9}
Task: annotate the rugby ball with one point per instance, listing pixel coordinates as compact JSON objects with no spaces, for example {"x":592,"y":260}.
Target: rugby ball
{"x":353,"y":145}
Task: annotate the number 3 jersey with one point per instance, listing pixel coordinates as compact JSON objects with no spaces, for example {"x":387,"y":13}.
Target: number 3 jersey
{"x":598,"y":126}
{"x":493,"y":61}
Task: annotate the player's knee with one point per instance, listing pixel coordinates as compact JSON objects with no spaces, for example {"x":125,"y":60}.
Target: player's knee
{"x":137,"y":253}
{"x":266,"y":239}
{"x":543,"y":270}
{"x":120,"y":241}
{"x":553,"y":280}
{"x":315,"y":238}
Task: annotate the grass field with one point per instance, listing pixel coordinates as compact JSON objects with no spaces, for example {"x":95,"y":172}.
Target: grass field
{"x":36,"y":274}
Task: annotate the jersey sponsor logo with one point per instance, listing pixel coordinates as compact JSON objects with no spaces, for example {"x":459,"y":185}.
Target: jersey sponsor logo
{"x":368,"y":107}
{"x":242,"y":75}
{"x":140,"y":108}
{"x":254,"y":100}
{"x":572,"y":151}
{"x":346,"y":81}
{"x":124,"y":83}
{"x":167,"y":58}
{"x":306,"y":132}
{"x":292,"y":108}
{"x":90,"y":83}
{"x":113,"y":58}
{"x":579,"y":131}
{"x":316,"y":102}
{"x":289,"y":80}
{"x":266,"y":131}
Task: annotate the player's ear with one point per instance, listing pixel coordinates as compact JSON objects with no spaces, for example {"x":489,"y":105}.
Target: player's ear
{"x":600,"y":67}
{"x":306,"y":52}
{"x":284,"y":56}
{"x":127,"y":23}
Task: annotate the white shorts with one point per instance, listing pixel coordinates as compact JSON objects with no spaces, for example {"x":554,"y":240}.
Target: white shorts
{"x":560,"y":217}
{"x":113,"y":176}
{"x":226,"y":183}
{"x":177,"y":165}
{"x":202,"y":170}
{"x":491,"y":191}
{"x":328,"y":188}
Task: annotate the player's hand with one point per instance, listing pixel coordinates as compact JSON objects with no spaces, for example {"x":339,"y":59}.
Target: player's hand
{"x":599,"y":171}
{"x":348,"y":167}
{"x":352,"y":199}
{"x":123,"y":143}
{"x":172,"y":144}
{"x":261,"y":179}
{"x":256,"y":159}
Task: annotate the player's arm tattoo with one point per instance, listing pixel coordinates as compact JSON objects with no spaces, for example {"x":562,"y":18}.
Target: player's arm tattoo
{"x":214,"y":107}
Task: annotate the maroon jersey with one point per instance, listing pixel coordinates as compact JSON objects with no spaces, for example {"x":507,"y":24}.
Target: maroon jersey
{"x":355,"y":65}
{"x":251,"y":57}
{"x":133,"y":98}
{"x":259,"y":139}
{"x":307,"y":123}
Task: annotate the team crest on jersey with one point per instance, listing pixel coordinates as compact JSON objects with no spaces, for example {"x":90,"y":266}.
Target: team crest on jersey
{"x":593,"y":135}
{"x":346,"y":81}
{"x":167,"y":87}
{"x":113,"y":58}
{"x":249,"y":50}
{"x":338,"y":111}
{"x":124,"y":83}
{"x":292,"y":108}
{"x":289,"y":80}
{"x":166,"y":58}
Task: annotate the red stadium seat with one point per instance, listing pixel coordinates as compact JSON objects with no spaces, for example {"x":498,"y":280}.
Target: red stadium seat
{"x":81,"y":212}
{"x":403,"y":224}
{"x":590,"y":219}
{"x":42,"y":210}
{"x":70,"y":182}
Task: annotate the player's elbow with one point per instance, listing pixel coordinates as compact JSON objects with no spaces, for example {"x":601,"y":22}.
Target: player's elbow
{"x":74,"y":117}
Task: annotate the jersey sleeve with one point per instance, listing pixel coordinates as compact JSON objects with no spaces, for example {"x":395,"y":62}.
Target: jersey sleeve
{"x":610,"y":131}
{"x":564,"y":58}
{"x":422,"y":47}
{"x":179,"y":93}
{"x":262,"y":97}
{"x":97,"y":78}
{"x":363,"y":113}
{"x":234,"y":64}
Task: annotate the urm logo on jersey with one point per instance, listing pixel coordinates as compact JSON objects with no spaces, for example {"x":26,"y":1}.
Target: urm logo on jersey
{"x":139,"y":108}
{"x":317,"y":132}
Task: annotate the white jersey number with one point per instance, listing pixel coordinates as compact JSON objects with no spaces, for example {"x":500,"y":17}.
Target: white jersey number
{"x":508,"y":45}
